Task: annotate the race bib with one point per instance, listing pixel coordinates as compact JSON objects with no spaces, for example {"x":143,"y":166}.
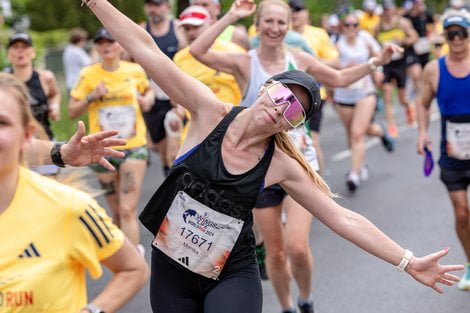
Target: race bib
{"x":458,"y":140}
{"x":121,"y":118}
{"x":422,"y":46}
{"x":197,"y":237}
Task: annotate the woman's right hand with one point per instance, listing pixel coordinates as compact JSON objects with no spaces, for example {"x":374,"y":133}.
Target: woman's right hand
{"x":242,"y":8}
{"x":99,"y":91}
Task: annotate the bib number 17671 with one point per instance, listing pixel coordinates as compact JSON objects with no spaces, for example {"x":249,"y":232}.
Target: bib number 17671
{"x":195,"y":239}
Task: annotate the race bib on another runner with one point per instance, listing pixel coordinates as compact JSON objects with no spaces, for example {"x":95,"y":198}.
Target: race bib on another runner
{"x":121,"y":118}
{"x":458,"y":140}
{"x":422,"y":46}
{"x":197,"y":237}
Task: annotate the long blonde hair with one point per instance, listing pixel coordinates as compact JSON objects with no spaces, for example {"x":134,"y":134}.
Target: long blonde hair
{"x":286,"y":145}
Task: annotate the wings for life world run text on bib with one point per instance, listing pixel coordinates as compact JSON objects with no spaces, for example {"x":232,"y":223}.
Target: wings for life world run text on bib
{"x":197,"y":237}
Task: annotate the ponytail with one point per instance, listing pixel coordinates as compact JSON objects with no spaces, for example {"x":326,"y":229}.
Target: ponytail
{"x":284,"y":143}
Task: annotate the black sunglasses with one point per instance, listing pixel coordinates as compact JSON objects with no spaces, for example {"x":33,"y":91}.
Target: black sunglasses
{"x":351,"y":25}
{"x":461,"y":33}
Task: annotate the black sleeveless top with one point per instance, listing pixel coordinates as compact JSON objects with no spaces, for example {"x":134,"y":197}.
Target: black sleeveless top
{"x":39,"y":102}
{"x":168,"y":43}
{"x":203,"y":176}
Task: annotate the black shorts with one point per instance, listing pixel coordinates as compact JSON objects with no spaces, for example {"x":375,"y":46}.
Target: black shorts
{"x":271,"y":196}
{"x":413,"y":58}
{"x":154,"y":119}
{"x":455,"y":180}
{"x":396,"y":70}
{"x":314,"y":122}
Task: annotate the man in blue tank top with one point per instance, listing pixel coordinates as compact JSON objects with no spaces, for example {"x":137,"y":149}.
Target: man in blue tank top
{"x":448,"y":79}
{"x":164,"y":31}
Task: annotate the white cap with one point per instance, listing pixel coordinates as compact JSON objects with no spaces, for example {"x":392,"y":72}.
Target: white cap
{"x":369,"y":5}
{"x":194,"y":15}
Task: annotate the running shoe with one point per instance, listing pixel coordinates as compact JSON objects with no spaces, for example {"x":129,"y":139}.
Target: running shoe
{"x":289,"y":311}
{"x":410,"y":115}
{"x":364,"y":173}
{"x":352,"y":181}
{"x":464,"y":283}
{"x":393,"y":131}
{"x":387,"y":140}
{"x":260,"y":258}
{"x":306,"y":307}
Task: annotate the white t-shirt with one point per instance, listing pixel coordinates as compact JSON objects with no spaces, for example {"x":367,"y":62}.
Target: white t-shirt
{"x":74,"y":58}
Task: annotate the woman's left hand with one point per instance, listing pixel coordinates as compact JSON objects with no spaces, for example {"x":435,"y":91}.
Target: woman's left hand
{"x":429,"y":272}
{"x":385,"y":55}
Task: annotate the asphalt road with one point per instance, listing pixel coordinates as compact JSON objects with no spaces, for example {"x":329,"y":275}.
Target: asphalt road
{"x":415,"y":211}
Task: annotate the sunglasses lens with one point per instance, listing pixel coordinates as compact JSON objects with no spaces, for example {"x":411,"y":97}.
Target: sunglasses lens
{"x":294,"y":113}
{"x":461,"y":33}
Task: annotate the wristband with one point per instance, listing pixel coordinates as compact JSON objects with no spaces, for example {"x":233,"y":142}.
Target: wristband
{"x":373,"y":67}
{"x":89,"y":99}
{"x":405,"y":260}
{"x":93,"y":308}
{"x":56,"y":156}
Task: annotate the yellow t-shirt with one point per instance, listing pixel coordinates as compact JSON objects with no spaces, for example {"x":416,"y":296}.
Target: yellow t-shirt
{"x":223,"y":85}
{"x":369,"y":22}
{"x":318,"y":39}
{"x":119,"y":108}
{"x":50,"y":234}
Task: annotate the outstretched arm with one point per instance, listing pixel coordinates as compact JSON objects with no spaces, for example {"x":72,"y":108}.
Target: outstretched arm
{"x":81,"y":150}
{"x":359,"y":230}
{"x":179,"y":86}
{"x":345,"y":77}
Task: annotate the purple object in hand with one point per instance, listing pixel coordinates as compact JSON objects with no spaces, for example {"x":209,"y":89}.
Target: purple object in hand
{"x":428,"y":162}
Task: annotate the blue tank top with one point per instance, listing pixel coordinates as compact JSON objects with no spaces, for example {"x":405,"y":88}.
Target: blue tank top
{"x":168,"y":43}
{"x":453,"y":98}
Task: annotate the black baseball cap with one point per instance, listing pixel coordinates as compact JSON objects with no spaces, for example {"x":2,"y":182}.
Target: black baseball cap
{"x":103,"y":33}
{"x":297,"y":5}
{"x":23,"y":37}
{"x":296,"y":77}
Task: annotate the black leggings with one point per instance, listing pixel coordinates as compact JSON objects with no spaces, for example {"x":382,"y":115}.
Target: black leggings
{"x":174,"y":289}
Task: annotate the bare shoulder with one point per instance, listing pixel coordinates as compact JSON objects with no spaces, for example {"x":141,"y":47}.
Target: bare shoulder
{"x":282,"y":167}
{"x":431,"y":73}
{"x":46,"y":75}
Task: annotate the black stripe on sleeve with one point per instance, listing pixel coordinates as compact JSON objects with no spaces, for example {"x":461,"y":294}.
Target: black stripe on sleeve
{"x":102,"y":221}
{"x":97,"y":226}
{"x":91,"y":231}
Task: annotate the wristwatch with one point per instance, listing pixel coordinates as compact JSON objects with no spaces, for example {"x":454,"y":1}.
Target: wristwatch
{"x":56,"y":157}
{"x":93,"y":308}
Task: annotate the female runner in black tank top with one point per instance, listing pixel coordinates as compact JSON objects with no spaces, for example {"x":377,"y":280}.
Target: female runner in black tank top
{"x":204,"y":206}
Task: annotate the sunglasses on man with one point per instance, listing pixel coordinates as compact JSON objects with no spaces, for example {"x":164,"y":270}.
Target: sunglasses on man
{"x":294,"y":113}
{"x":452,"y":34}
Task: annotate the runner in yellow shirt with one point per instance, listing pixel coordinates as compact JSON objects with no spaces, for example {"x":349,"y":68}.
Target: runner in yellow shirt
{"x":194,"y":20}
{"x":112,"y":93}
{"x":52,"y":233}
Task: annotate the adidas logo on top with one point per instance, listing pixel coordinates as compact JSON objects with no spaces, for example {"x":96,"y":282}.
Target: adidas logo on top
{"x":184,"y":260}
{"x":30,"y":252}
